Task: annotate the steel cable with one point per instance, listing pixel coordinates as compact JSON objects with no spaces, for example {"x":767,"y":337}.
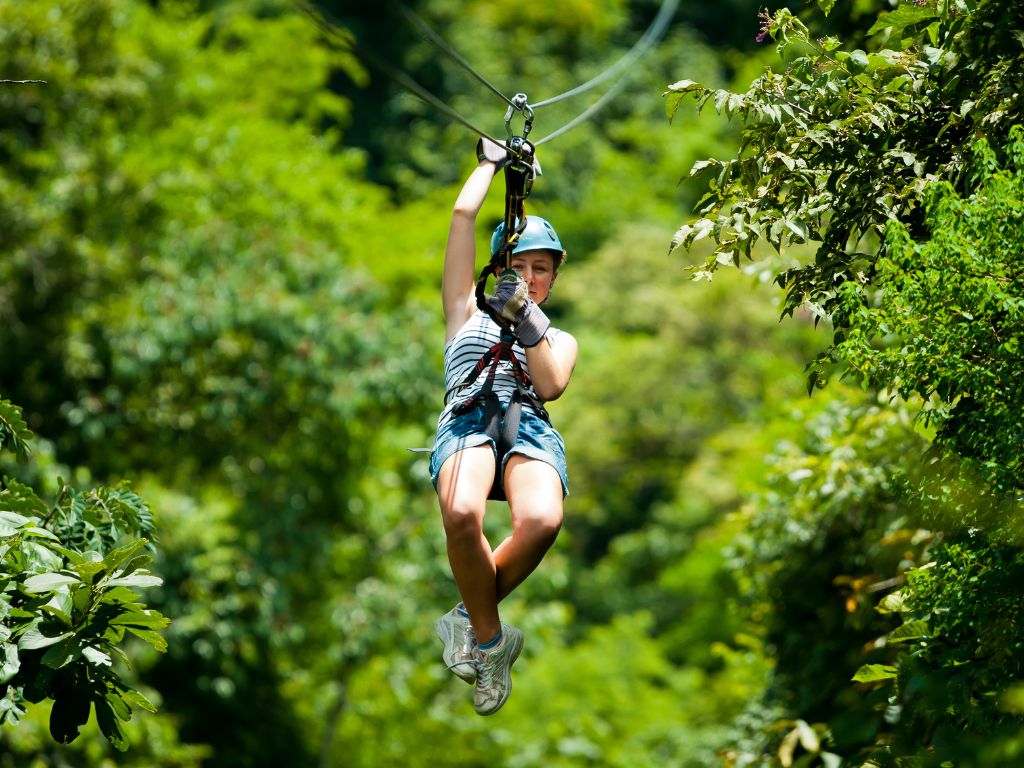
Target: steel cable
{"x":650,"y":37}
{"x":443,"y":46}
{"x":654,"y":32}
{"x":331,"y":29}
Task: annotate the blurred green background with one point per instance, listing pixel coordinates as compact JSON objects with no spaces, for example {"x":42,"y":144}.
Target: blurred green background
{"x":221,"y":250}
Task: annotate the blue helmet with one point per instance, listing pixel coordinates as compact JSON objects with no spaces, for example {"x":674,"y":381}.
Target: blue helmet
{"x":539,"y":235}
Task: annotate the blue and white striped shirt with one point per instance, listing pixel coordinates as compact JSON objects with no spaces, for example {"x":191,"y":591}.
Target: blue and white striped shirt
{"x":463,"y":352}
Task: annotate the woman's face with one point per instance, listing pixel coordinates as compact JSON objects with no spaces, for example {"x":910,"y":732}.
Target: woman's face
{"x":537,"y":268}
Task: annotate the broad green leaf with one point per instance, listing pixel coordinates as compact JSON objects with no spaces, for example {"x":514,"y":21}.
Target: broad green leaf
{"x":33,"y":638}
{"x":11,"y":662}
{"x":57,"y":613}
{"x":685,"y":86}
{"x":117,"y":557}
{"x":34,"y":530}
{"x":10,"y":712}
{"x":70,"y":711}
{"x":135,"y":580}
{"x":81,"y":598}
{"x":110,"y":724}
{"x":905,"y":15}
{"x":119,"y":595}
{"x":701,"y":165}
{"x":47,"y":582}
{"x":96,"y":656}
{"x":870,"y":673}
{"x":151,"y":637}
{"x":11,"y":522}
{"x":147,"y":618}
{"x":88,"y":571}
{"x":912,"y":630}
{"x":891,"y":603}
{"x":858,"y":61}
{"x":118,"y":705}
{"x":134,"y":698}
{"x":63,"y":653}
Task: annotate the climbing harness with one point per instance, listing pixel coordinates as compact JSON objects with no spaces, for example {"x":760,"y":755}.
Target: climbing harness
{"x":501,"y":423}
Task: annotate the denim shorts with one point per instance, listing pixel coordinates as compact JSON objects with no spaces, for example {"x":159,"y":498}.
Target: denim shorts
{"x":536,"y":440}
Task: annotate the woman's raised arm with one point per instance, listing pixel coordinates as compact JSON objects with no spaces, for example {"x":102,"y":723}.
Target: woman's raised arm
{"x":458,"y":282}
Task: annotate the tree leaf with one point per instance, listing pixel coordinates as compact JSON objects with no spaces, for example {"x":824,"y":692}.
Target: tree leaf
{"x":11,"y":662}
{"x":870,"y":673}
{"x":63,"y":653}
{"x":47,"y":582}
{"x":110,"y":724}
{"x":70,"y":711}
{"x":146,"y":619}
{"x":135,"y":580}
{"x":96,"y":656}
{"x":134,"y":698}
{"x":33,"y":639}
{"x":912,"y":630}
{"x":151,"y":637}
{"x":14,"y":432}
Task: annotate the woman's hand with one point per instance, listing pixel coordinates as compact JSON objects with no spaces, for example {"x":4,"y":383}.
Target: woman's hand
{"x":492,"y":152}
{"x":511,"y":300}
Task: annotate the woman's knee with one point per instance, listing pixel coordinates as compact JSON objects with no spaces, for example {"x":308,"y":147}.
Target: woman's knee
{"x":463,"y":483}
{"x":463,"y":518}
{"x":540,"y":521}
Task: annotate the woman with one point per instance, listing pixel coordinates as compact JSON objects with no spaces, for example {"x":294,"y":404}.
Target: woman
{"x":478,"y":647}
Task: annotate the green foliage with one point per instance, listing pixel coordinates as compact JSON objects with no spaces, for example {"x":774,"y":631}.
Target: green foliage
{"x":962,"y":655}
{"x":943,"y":320}
{"x":205,"y":290}
{"x":824,"y":540}
{"x":14,"y":433}
{"x":68,"y":571}
{"x":691,"y":391}
{"x":842,"y":142}
{"x":877,"y":158}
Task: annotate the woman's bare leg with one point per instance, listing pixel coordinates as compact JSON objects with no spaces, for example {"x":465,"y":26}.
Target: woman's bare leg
{"x":534,"y":492}
{"x":462,"y":487}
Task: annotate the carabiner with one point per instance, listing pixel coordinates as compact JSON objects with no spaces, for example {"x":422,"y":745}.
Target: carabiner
{"x":519,"y":104}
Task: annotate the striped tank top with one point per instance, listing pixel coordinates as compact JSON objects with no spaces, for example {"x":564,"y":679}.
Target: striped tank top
{"x":463,"y":352}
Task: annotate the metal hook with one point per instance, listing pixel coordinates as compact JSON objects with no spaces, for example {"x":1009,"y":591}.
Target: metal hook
{"x":518,"y":103}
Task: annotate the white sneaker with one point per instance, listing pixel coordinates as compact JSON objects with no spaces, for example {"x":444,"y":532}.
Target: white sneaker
{"x":456,"y":633}
{"x":494,"y":671}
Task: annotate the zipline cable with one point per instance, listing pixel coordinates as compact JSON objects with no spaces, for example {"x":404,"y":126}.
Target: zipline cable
{"x":585,"y":114}
{"x":654,"y":33}
{"x":650,"y":37}
{"x":331,"y":29}
{"x":445,"y":48}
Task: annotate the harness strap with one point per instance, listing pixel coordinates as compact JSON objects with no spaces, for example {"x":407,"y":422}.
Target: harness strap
{"x":502,"y":428}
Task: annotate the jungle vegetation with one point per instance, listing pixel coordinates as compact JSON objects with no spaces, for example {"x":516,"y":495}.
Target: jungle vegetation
{"x":795,"y":271}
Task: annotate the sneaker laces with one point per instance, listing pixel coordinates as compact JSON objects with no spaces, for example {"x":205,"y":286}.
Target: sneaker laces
{"x":485,"y":669}
{"x":466,"y":649}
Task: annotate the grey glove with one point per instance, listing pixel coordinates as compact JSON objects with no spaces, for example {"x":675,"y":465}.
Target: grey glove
{"x":512,"y":301}
{"x":493,"y":152}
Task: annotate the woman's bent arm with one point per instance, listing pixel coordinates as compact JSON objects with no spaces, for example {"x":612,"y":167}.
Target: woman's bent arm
{"x":551,"y":364}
